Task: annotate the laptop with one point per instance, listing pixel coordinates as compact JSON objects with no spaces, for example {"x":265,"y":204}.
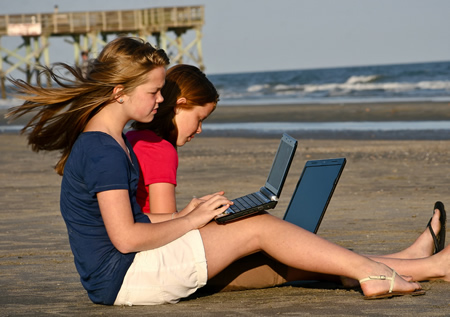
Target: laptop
{"x":268,"y":195}
{"x":313,"y":193}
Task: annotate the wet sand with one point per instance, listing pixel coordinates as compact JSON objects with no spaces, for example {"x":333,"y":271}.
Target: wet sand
{"x":390,"y":111}
{"x":382,"y":203}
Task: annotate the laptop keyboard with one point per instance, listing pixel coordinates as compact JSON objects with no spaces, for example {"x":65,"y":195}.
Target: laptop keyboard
{"x":246,"y":205}
{"x":248,"y":201}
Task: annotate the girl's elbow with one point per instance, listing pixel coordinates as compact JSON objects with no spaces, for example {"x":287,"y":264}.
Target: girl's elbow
{"x":125,"y":250}
{"x":124,"y":247}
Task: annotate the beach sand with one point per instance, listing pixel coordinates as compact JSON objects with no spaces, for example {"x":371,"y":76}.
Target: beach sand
{"x":383,"y":202}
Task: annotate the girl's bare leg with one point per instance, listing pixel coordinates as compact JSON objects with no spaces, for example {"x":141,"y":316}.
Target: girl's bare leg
{"x":292,"y":246}
{"x":260,"y":271}
{"x":434,"y":267}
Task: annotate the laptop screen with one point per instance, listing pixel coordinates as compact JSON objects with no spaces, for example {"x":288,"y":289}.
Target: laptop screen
{"x":281,"y":164}
{"x":313,"y":193}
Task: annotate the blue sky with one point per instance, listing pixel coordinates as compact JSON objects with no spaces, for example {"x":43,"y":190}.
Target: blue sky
{"x":261,"y":35}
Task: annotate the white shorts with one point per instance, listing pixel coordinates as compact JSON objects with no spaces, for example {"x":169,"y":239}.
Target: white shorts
{"x":166,"y":274}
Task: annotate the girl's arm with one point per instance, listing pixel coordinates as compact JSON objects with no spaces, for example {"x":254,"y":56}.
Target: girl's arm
{"x":162,"y":198}
{"x":162,"y":201}
{"x":129,"y":236}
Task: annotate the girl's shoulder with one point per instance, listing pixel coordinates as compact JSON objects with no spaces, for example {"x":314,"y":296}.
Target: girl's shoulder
{"x":147,"y":139}
{"x":149,"y":147}
{"x":95,"y":145}
{"x":95,"y":151}
{"x":95,"y":140}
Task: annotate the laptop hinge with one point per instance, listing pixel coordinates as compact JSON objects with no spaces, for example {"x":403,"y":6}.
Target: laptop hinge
{"x":269,"y":194}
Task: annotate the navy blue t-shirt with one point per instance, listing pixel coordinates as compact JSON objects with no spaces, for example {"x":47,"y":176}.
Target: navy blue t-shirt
{"x":97,"y":163}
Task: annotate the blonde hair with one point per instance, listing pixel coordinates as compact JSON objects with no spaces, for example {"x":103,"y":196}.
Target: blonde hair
{"x":182,"y":81}
{"x":64,"y":111}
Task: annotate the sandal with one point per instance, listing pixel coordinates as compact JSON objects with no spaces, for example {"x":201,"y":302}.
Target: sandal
{"x":391,"y":293}
{"x":439,"y":240}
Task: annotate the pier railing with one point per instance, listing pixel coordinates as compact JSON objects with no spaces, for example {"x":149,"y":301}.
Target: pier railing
{"x":68,"y":23}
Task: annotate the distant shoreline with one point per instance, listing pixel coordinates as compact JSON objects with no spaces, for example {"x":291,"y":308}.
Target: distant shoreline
{"x":333,"y":112}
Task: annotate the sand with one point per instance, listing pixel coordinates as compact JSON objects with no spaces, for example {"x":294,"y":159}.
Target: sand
{"x":382,"y":203}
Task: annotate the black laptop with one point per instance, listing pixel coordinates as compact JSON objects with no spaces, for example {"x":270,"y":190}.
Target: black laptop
{"x":313,"y":193}
{"x":267,"y":196}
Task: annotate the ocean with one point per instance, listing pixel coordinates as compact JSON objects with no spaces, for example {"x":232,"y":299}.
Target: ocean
{"x":425,"y":82}
{"x":402,"y":82}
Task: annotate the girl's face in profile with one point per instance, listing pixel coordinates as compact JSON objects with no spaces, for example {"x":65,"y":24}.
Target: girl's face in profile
{"x":189,"y":121}
{"x":144,"y":100}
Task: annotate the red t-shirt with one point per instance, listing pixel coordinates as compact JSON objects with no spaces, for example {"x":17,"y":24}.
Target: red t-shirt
{"x":158,"y":162}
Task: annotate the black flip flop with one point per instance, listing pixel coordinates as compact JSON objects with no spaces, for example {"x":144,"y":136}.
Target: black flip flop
{"x":439,"y":240}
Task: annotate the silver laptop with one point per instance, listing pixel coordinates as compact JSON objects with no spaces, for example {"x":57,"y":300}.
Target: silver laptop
{"x":267,"y":196}
{"x":313,"y":193}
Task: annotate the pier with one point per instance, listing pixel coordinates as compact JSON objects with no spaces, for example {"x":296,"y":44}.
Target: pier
{"x":88,"y":31}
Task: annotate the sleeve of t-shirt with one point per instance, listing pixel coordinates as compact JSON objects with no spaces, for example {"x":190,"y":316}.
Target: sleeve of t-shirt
{"x":158,"y":162}
{"x":106,"y":169}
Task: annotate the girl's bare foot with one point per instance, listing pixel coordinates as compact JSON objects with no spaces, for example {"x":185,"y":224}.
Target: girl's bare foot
{"x":424,"y":245}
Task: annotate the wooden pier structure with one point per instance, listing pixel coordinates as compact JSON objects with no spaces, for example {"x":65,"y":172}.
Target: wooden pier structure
{"x":87,"y":31}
